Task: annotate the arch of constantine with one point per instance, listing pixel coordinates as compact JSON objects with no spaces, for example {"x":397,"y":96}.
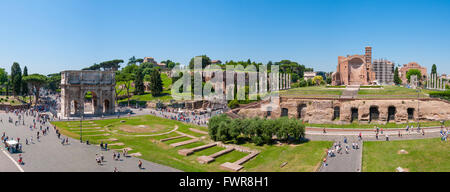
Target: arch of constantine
{"x":75,"y":85}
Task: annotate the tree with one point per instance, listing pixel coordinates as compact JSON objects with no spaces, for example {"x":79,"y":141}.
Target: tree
{"x":317,"y":79}
{"x":54,"y":81}
{"x":139,"y":82}
{"x":413,"y":72}
{"x":3,"y":78}
{"x":205,"y":61}
{"x":125,"y":77}
{"x":171,"y":65}
{"x":35,"y":81}
{"x":93,"y":67}
{"x":25,"y":90}
{"x":139,"y":61}
{"x":434,"y":69}
{"x":397,"y":79}
{"x":294,"y":77}
{"x":132,"y":60}
{"x":16,"y":78}
{"x":111,"y":65}
{"x":156,"y":85}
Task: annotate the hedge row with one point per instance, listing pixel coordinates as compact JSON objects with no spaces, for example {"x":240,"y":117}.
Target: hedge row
{"x":441,"y":94}
{"x":258,"y":131}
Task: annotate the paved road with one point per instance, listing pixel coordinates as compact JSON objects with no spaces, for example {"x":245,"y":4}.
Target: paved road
{"x":345,"y":162}
{"x":370,"y":135}
{"x":50,"y":155}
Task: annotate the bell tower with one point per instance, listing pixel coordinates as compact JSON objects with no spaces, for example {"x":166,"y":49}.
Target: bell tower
{"x":368,"y":56}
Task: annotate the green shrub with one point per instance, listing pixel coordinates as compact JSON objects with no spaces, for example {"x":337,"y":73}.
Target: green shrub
{"x":233,"y":104}
{"x":257,"y":131}
{"x":441,"y":94}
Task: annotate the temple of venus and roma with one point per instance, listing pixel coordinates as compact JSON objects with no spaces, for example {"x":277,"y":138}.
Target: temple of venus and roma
{"x":353,"y":70}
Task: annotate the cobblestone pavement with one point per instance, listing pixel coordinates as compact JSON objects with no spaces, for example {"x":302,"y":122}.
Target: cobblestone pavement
{"x":50,"y":155}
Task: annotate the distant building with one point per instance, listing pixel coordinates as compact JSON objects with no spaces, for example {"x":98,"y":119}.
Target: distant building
{"x":155,"y":64}
{"x":218,"y":62}
{"x":309,"y":75}
{"x":412,"y":65}
{"x":384,"y":71}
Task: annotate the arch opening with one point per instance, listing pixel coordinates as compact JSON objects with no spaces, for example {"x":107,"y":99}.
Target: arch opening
{"x":374,"y":113}
{"x":337,"y":113}
{"x":391,"y":113}
{"x":300,"y":108}
{"x":355,"y":115}
{"x":284,"y":112}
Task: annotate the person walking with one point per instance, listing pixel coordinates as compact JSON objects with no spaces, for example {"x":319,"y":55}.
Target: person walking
{"x":140,"y":164}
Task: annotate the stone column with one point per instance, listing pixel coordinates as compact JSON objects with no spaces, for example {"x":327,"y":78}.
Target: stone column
{"x":434,"y":81}
{"x":289,"y":81}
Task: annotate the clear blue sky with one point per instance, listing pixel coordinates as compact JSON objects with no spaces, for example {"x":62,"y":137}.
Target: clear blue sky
{"x":53,"y":35}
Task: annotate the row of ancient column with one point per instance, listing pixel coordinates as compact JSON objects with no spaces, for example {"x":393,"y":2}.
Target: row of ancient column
{"x":436,"y":82}
{"x":285,"y":81}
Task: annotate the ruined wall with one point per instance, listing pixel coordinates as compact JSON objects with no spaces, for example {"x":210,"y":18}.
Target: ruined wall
{"x":322,"y":110}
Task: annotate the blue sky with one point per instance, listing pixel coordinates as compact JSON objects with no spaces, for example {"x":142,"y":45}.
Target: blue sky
{"x":53,"y":35}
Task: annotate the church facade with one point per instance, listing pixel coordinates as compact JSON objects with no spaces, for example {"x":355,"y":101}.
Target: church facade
{"x":354,"y":70}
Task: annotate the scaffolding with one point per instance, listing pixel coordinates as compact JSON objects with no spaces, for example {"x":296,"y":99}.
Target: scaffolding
{"x":384,"y":71}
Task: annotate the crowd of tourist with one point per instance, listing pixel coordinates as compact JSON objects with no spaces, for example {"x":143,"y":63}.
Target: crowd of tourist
{"x":40,"y":125}
{"x":197,"y":118}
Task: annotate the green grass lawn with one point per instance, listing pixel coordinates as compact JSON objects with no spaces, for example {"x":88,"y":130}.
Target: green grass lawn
{"x":303,"y":157}
{"x":316,"y":91}
{"x":165,"y":97}
{"x":14,"y":101}
{"x":389,"y":92}
{"x":424,"y":155}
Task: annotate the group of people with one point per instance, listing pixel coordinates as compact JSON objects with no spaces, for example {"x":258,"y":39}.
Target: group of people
{"x":199,"y":118}
{"x":338,"y":148}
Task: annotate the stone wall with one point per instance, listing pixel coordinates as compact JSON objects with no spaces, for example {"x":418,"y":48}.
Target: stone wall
{"x":322,"y":110}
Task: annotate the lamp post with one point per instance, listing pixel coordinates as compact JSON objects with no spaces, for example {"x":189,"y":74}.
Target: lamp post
{"x":418,"y":111}
{"x":81,"y":123}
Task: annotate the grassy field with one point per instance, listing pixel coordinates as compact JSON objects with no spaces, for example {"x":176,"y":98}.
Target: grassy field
{"x":142,"y":99}
{"x":317,"y":91}
{"x":424,"y":155}
{"x":370,"y":126}
{"x":302,"y":157}
{"x":13,"y":101}
{"x":389,"y":92}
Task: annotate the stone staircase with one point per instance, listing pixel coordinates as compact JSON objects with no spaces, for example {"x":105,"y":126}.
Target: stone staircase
{"x":351,"y":92}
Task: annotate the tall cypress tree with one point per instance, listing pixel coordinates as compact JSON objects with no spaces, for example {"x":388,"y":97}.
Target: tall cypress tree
{"x":397,"y":79}
{"x":16,"y":78}
{"x":25,"y":84}
{"x":434,"y":69}
{"x":139,"y":82}
{"x":155,"y":83}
